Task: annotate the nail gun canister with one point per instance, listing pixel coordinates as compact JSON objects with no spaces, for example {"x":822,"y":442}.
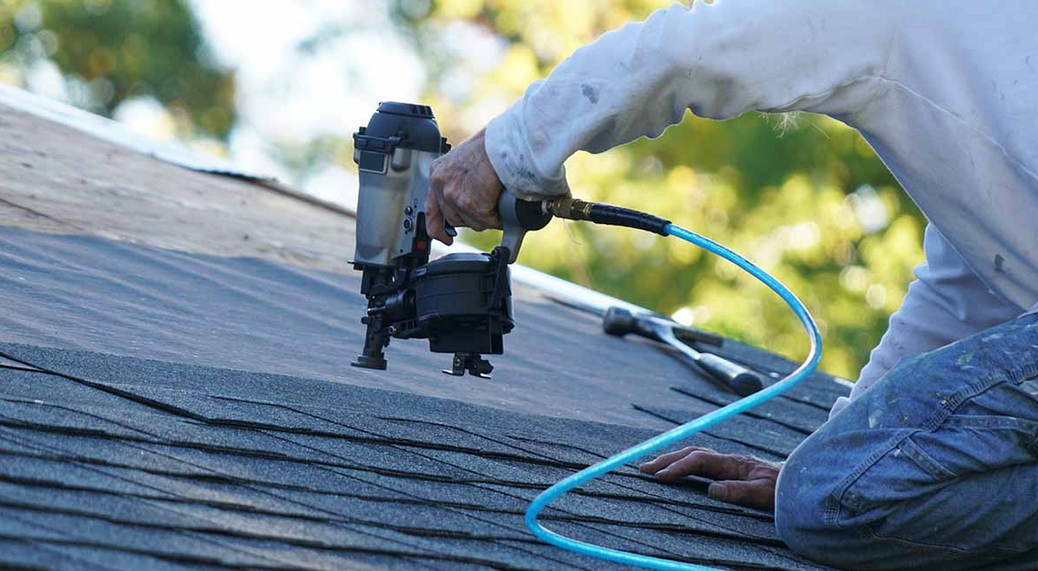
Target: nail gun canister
{"x":460,"y":305}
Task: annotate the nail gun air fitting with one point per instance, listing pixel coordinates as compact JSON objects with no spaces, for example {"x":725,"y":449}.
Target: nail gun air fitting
{"x":598,"y":213}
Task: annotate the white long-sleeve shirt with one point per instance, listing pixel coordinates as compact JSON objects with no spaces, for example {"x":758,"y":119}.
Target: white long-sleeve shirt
{"x":946,"y":92}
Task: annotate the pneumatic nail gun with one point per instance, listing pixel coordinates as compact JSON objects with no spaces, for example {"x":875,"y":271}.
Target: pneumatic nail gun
{"x":460,"y":302}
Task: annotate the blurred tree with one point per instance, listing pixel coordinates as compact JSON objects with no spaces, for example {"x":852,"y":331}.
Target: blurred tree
{"x":804,"y":197}
{"x":112,"y":50}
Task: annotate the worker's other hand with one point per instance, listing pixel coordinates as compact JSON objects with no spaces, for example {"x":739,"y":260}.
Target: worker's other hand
{"x":742,"y":480}
{"x":463,"y":190}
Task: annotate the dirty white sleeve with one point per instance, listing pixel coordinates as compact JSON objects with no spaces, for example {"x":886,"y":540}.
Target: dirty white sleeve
{"x":718,"y":60}
{"x":945,"y":303}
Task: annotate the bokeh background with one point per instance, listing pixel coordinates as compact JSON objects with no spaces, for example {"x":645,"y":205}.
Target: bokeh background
{"x":279,"y":86}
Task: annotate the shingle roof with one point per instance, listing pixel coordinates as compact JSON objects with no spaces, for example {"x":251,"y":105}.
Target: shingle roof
{"x":186,"y":411}
{"x":129,"y":463}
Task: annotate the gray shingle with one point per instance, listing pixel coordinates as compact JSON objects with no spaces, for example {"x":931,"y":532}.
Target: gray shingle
{"x":121,"y":462}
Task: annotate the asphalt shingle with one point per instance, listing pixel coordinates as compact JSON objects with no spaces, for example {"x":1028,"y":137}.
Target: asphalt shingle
{"x":111,"y":461}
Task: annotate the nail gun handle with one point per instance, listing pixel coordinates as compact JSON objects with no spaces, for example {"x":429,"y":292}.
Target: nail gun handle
{"x":517,"y":218}
{"x":740,"y":379}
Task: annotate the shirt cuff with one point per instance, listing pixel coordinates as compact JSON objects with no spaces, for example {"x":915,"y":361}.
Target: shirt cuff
{"x":513,"y":161}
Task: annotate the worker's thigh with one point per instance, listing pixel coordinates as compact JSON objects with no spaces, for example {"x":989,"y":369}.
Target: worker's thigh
{"x":934,"y":467}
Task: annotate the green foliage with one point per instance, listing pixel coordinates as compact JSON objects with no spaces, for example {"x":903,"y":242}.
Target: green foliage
{"x":780,"y":191}
{"x":111,"y":50}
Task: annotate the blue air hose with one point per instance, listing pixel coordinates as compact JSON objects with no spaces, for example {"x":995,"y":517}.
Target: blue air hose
{"x":605,"y":214}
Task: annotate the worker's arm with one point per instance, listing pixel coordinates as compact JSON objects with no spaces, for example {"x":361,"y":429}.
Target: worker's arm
{"x":718,"y":60}
{"x":945,"y":303}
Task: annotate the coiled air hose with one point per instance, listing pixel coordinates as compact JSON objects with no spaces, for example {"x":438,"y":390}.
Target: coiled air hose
{"x":617,"y":216}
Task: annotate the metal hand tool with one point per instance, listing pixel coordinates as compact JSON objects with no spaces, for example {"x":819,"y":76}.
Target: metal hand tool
{"x":619,"y":321}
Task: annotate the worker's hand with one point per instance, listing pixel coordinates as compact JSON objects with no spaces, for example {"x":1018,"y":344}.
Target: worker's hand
{"x":463,"y":189}
{"x":742,"y":480}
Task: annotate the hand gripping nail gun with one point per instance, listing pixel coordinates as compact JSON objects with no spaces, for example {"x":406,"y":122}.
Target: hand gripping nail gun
{"x":460,"y":302}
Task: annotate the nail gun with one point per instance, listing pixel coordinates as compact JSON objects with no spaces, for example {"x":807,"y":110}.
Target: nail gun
{"x":460,"y":302}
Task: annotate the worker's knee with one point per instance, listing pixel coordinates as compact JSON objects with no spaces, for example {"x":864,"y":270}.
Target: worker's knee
{"x":807,"y":495}
{"x":810,"y":512}
{"x":801,"y":498}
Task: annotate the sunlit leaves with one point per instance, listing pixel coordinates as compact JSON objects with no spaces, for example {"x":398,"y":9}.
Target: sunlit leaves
{"x":459,"y":8}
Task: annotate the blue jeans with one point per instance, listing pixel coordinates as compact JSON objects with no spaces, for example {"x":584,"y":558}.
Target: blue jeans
{"x":934,"y":467}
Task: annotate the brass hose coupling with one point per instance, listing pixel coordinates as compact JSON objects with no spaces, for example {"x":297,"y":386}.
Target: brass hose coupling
{"x":601,"y":213}
{"x":568,"y":207}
